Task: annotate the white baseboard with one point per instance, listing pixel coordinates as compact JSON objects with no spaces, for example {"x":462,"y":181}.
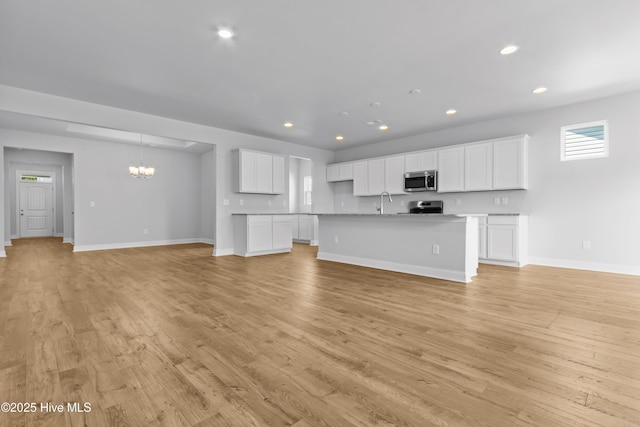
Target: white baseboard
{"x":582,"y":265}
{"x":455,"y":276}
{"x":207,"y":241}
{"x":86,"y":248}
{"x":67,"y":240}
{"x":58,"y":235}
{"x":14,"y":236}
{"x":313,"y":243}
{"x":3,"y":254}
{"x":8,"y":243}
{"x":222,"y":252}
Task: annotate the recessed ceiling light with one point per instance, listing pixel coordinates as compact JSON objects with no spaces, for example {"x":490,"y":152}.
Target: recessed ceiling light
{"x":383,"y":127}
{"x":288,"y":125}
{"x":540,"y":90}
{"x":508,"y":50}
{"x":339,"y":138}
{"x":344,"y":113}
{"x":415,"y":92}
{"x":451,"y":112}
{"x":375,"y":104}
{"x":225,"y":32}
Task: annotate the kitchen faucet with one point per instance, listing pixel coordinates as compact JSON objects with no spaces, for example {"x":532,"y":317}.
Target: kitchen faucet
{"x":381,"y":209}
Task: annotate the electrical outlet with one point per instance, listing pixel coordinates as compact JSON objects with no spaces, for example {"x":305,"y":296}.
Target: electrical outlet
{"x":496,"y":200}
{"x":335,"y":238}
{"x":342,"y":204}
{"x":505,"y":200}
{"x":284,"y":203}
{"x":458,"y":201}
{"x":145,"y":231}
{"x":401,"y":203}
{"x":225,"y":202}
{"x":586,"y":244}
{"x":269,"y":203}
{"x":435,"y":249}
{"x":92,"y":204}
{"x":241,"y":202}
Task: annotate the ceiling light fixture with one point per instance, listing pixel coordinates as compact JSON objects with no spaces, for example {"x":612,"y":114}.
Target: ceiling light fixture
{"x":344,"y":113}
{"x":339,"y":138}
{"x":451,"y":112}
{"x":508,"y":50}
{"x":383,"y":127}
{"x":415,"y":92}
{"x":375,"y":104}
{"x":288,"y":125}
{"x":225,"y":33}
{"x":143,"y":172}
{"x":540,"y":89}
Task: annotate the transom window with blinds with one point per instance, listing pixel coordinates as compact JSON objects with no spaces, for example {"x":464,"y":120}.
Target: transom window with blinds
{"x":585,"y":141}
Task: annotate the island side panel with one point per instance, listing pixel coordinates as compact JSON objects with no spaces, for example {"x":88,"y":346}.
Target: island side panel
{"x":401,"y":243}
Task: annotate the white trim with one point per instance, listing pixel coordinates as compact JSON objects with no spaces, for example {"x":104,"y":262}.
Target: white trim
{"x":58,"y":235}
{"x":67,"y":240}
{"x":3,"y":254}
{"x":207,"y":241}
{"x":313,"y":242}
{"x":86,"y":248}
{"x":8,"y":243}
{"x":13,"y":236}
{"x":455,"y":276}
{"x":504,"y":263}
{"x":589,"y":266}
{"x":270,"y":252}
{"x":222,"y":252}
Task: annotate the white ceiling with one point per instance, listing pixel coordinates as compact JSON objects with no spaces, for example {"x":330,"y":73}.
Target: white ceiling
{"x":307,"y":61}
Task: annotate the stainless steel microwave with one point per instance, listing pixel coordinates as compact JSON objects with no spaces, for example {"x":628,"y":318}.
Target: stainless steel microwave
{"x":421,"y":181}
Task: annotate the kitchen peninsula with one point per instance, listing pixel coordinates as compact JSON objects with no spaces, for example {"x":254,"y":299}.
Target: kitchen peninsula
{"x":443,"y":246}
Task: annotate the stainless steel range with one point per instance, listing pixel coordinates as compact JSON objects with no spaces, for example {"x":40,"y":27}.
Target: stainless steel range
{"x":426,"y":207}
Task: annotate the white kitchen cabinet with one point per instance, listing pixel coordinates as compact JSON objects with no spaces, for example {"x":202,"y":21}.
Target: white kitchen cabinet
{"x":294,"y":226}
{"x":260,"y":173}
{"x":451,"y":169}
{"x":376,"y":176}
{"x":282,"y":233}
{"x":278,"y":175}
{"x":264,"y":173}
{"x":505,"y":240}
{"x":394,"y":174}
{"x":421,"y":161}
{"x":305,"y":230}
{"x":510,"y":161}
{"x":361,"y":178}
{"x":478,"y":169}
{"x":340,"y":172}
{"x":261,"y":234}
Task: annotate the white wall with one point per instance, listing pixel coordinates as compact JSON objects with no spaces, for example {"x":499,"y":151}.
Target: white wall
{"x":40,"y":161}
{"x":568,"y":202}
{"x":225,"y":142}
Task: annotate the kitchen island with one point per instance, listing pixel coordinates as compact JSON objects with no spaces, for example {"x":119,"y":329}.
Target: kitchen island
{"x":434,"y":245}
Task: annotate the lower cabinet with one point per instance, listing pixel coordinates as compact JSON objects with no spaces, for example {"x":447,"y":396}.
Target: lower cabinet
{"x":261,"y":234}
{"x":503,"y":240}
{"x":305,"y":228}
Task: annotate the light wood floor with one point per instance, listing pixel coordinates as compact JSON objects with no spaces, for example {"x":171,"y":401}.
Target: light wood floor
{"x":173,"y":336}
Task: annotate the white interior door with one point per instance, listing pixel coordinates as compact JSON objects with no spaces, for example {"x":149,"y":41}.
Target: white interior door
{"x":36,"y":209}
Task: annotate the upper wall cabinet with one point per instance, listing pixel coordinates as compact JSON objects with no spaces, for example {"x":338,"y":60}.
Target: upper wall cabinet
{"x":510,"y":163}
{"x":372,"y":177}
{"x":260,"y":173}
{"x":421,"y":161}
{"x":499,"y":164}
{"x":340,"y":172}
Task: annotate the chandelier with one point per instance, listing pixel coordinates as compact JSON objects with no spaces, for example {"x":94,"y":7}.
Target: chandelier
{"x":141,"y":171}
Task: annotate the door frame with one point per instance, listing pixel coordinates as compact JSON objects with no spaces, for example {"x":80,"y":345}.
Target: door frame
{"x":54,"y":199}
